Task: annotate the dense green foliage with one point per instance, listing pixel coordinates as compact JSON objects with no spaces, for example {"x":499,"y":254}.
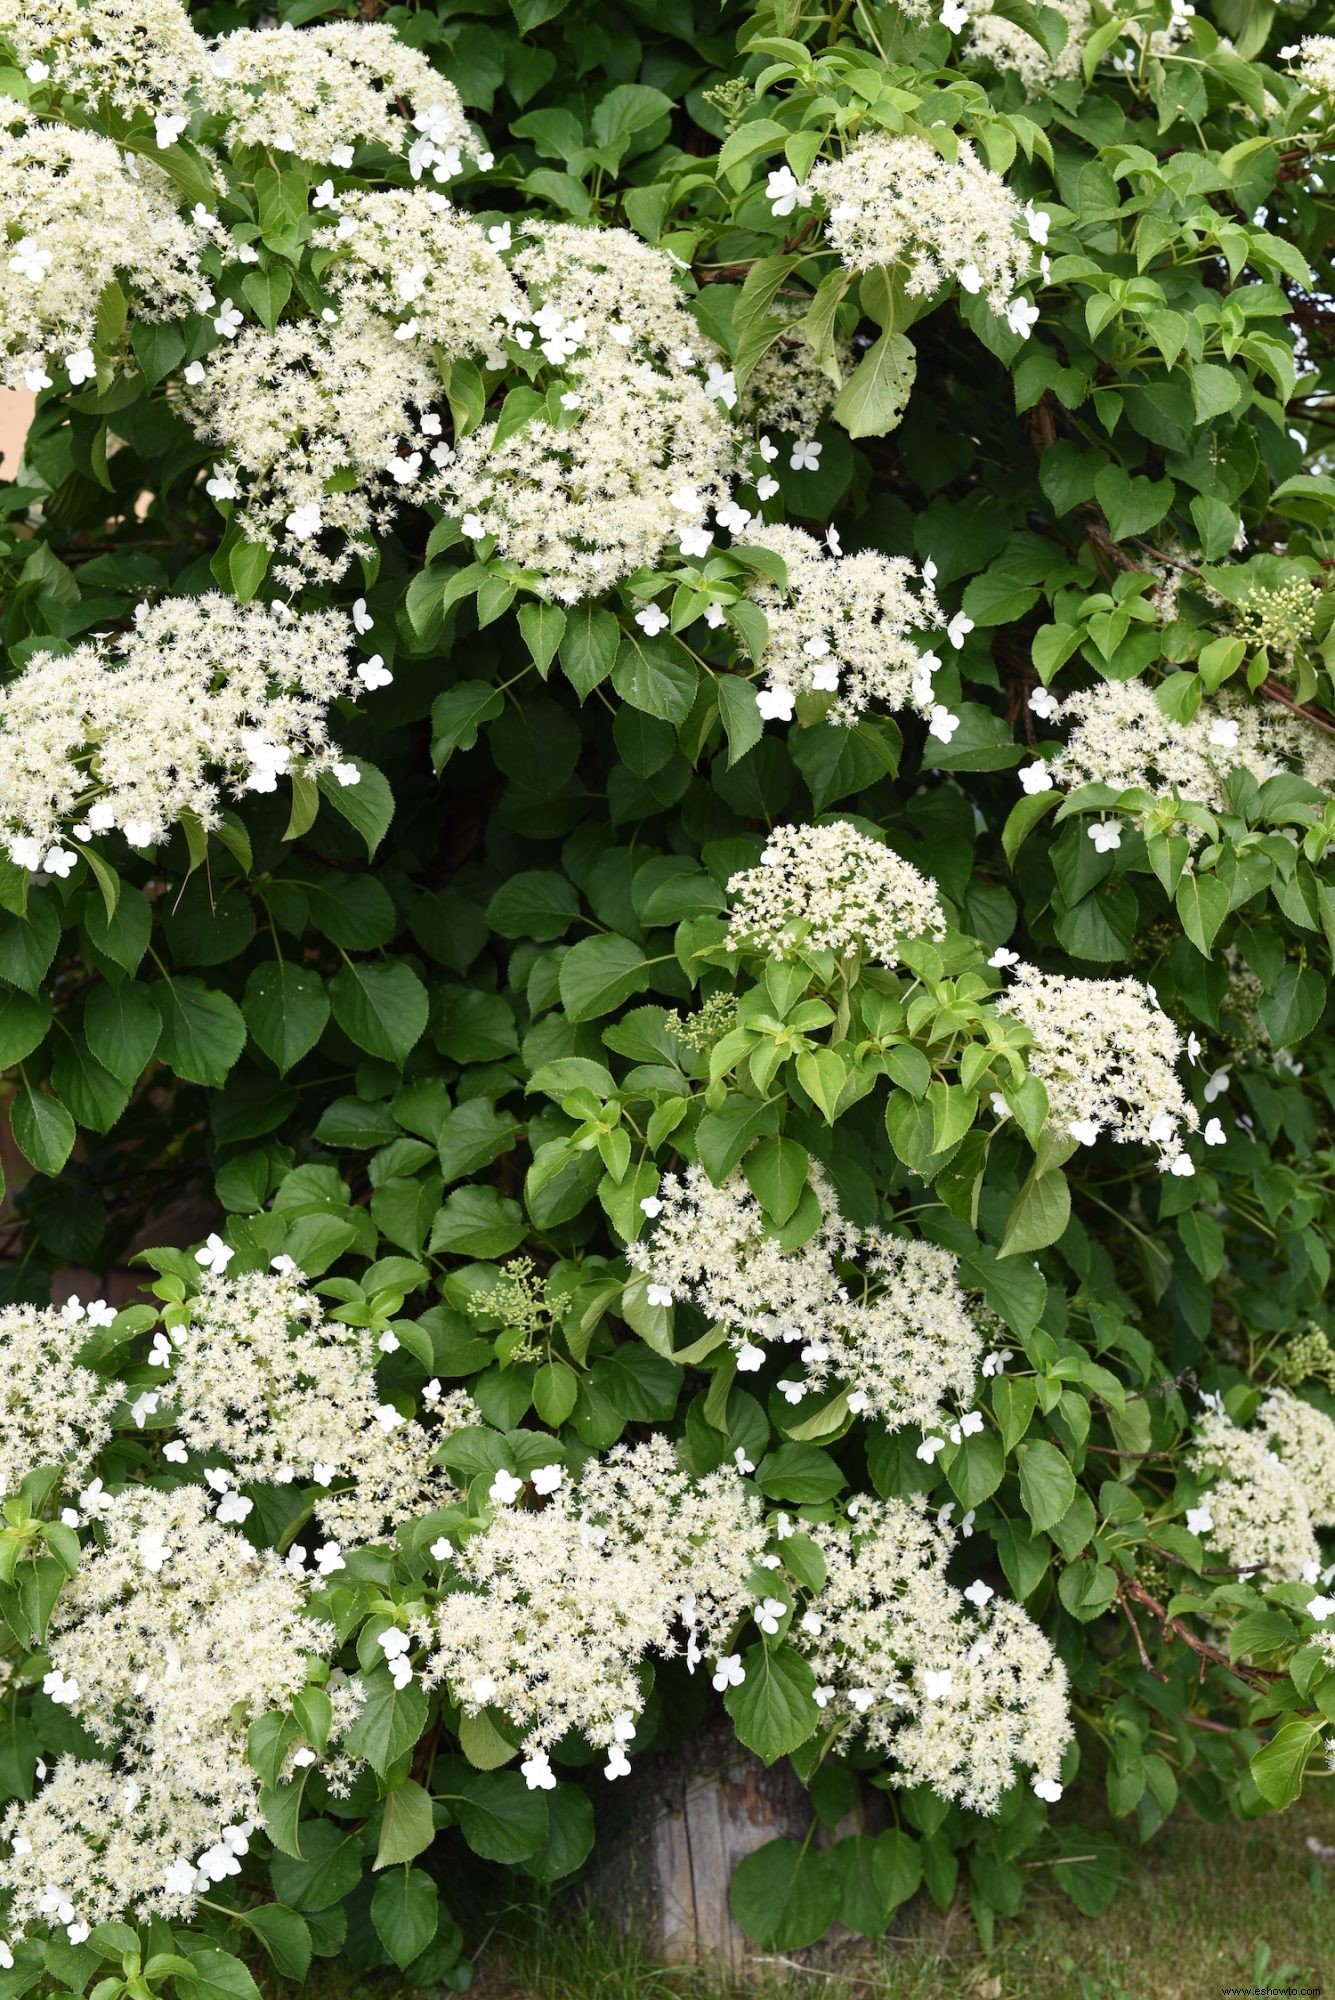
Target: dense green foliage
{"x":440,"y":1030}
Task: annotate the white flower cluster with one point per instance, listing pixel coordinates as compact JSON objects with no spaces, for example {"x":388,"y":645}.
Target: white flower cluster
{"x":1316,"y":64}
{"x":843,"y":625}
{"x":200,"y":696}
{"x":1106,"y":1053}
{"x":958,"y":1686}
{"x":321,"y":92}
{"x":76,"y":218}
{"x":893,"y":200}
{"x":996,"y":40}
{"x":260,"y":1377}
{"x":831,"y":888}
{"x":614,"y":286}
{"x":562,"y":1605}
{"x":1120,"y":736}
{"x":136,"y":55}
{"x":788,"y":389}
{"x":321,"y":425}
{"x":629,"y":450}
{"x":1256,"y":1509}
{"x":52,"y":1411}
{"x":1305,"y":1440}
{"x":171,"y":1638}
{"x":899,"y":1335}
{"x":405,"y":254}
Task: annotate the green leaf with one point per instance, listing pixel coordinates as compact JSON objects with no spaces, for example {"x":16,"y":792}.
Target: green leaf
{"x":122,"y":1027}
{"x":499,"y":1817}
{"x":1202,"y":903}
{"x":802,"y":1473}
{"x":656,"y":675}
{"x":774,"y":1708}
{"x":785,"y":1895}
{"x":776,"y":1173}
{"x":542,"y":627}
{"x":24,"y":1020}
{"x":478,"y":1222}
{"x":1047,"y":1483}
{"x":382,"y":1007}
{"x":407,"y":1828}
{"x":203,"y":1032}
{"x":43,"y":1129}
{"x":1040,"y":1213}
{"x":367,"y":806}
{"x":285,"y":1936}
{"x":286,"y":1008}
{"x":389,"y":1721}
{"x":216,"y":1975}
{"x":1279,"y":1765}
{"x":876,"y":394}
{"x":404,"y":1910}
{"x":598,"y":974}
{"x":1295,"y":1007}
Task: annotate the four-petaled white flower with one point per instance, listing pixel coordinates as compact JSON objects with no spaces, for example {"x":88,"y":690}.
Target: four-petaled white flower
{"x":784,"y":192}
{"x":768,"y":1613}
{"x":1106,"y":834}
{"x":505,"y":1488}
{"x":729,"y":1672}
{"x":1046,"y":1789}
{"x":215,"y":1255}
{"x":652,"y":620}
{"x":1199,"y":1520}
{"x":943,"y":723}
{"x":1035,"y":778}
{"x":721,"y":384}
{"x":980,"y":1593}
{"x":805,"y":455}
{"x":546,"y":1478}
{"x":537,"y":1772}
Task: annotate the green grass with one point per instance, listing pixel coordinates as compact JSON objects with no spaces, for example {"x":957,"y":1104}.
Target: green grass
{"x":1206,"y":1908}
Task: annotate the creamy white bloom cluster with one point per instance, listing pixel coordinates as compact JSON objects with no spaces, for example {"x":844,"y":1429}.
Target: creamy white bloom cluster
{"x":831,"y":888}
{"x":959,"y":1687}
{"x":201,"y":696}
{"x":137,"y":55}
{"x":618,"y":287}
{"x":994,"y":39}
{"x":52,"y":1411}
{"x":1316,"y":63}
{"x":1304,"y":1437}
{"x":560,"y":1606}
{"x":788,"y":388}
{"x":173,"y":1635}
{"x":1256,"y":1509}
{"x":407,"y":255}
{"x":1120,"y":736}
{"x":1106,"y":1053}
{"x":894,"y":200}
{"x":897,"y":1334}
{"x":322,"y":426}
{"x":630,"y":448}
{"x":321,"y":92}
{"x":259,"y":1377}
{"x":843,"y":625}
{"x":75,"y":218}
